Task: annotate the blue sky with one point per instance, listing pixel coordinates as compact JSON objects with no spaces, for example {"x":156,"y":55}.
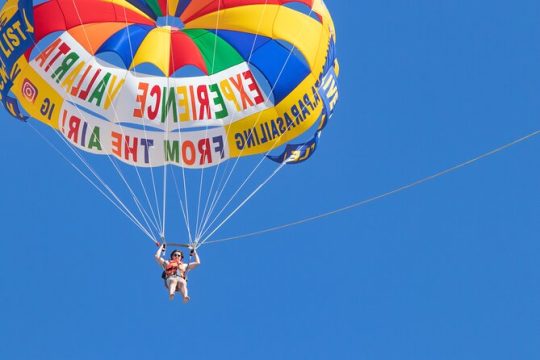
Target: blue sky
{"x":446,"y":270}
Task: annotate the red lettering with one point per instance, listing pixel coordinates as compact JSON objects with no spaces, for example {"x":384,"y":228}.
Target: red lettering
{"x":74,"y":124}
{"x":116,"y":143}
{"x":64,"y":121}
{"x":47,"y":52}
{"x":155,"y":92}
{"x":76,"y":89}
{"x":202,"y":95}
{"x":253,"y":87}
{"x":63,"y":49}
{"x":141,"y":99}
{"x":204,"y":149}
{"x":188,"y":145}
{"x":84,"y":94}
{"x":193,"y":106}
{"x":246,"y":101}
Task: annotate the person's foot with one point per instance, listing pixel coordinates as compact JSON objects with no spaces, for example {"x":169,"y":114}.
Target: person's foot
{"x":171,"y":296}
{"x":186,"y":299}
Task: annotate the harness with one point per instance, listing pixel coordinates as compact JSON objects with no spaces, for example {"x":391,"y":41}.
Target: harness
{"x":173,"y":266}
{"x":173,"y":269}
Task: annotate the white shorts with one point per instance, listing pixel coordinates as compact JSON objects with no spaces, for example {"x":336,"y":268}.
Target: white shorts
{"x":170,"y":279}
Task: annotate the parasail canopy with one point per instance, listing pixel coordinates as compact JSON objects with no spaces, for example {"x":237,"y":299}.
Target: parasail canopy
{"x":185,"y":83}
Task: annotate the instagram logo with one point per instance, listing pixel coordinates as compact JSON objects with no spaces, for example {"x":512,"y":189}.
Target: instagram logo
{"x":29,"y":91}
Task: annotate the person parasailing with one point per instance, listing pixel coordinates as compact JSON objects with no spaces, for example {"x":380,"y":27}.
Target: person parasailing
{"x":176,"y":270}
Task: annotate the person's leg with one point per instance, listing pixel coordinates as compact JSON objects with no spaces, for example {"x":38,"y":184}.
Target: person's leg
{"x":172,"y":283}
{"x":182,"y":286}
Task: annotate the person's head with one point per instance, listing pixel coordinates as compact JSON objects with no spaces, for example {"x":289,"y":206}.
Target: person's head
{"x":177,"y":255}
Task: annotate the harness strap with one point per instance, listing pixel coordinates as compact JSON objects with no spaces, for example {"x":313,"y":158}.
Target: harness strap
{"x":184,"y":275}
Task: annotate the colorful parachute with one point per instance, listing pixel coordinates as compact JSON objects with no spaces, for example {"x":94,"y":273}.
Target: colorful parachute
{"x":189,"y":83}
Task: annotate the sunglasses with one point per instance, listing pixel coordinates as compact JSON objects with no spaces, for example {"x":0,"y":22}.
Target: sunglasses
{"x":178,"y":255}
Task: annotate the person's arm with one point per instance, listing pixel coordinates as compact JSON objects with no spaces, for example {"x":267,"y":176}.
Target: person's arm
{"x":197,"y":262}
{"x":158,"y":257}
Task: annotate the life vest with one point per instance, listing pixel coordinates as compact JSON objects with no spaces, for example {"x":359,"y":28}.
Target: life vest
{"x":173,"y":268}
